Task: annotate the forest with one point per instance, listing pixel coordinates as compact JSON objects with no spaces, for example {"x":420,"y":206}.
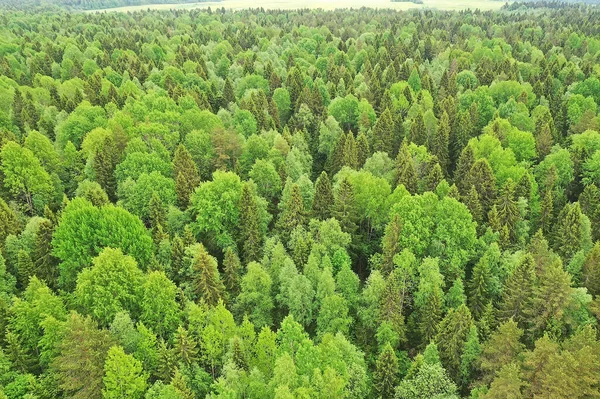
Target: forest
{"x":300,"y":204}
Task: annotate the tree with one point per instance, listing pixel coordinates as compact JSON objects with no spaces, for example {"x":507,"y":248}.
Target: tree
{"x":430,"y":381}
{"x":255,"y":299}
{"x":123,"y":376}
{"x":323,"y":201}
{"x":440,"y":141}
{"x":507,"y":384}
{"x":385,"y":376}
{"x":591,"y":271}
{"x":482,"y":178}
{"x":418,"y":132}
{"x":185,"y":347}
{"x":292,"y":215}
{"x":451,"y":338}
{"x":406,"y":173}
{"x":232,"y":270}
{"x":518,"y":292}
{"x":569,"y":234}
{"x":112,"y":284}
{"x":24,"y":176}
{"x":105,"y":161}
{"x":501,"y":349}
{"x":250,"y":230}
{"x":186,"y":175}
{"x":344,"y":209}
{"x":82,"y":350}
{"x":159,"y":307}
{"x":46,"y":265}
{"x":480,"y":288}
{"x":382,"y":133}
{"x":333,"y":316}
{"x":9,"y":223}
{"x":206,"y":280}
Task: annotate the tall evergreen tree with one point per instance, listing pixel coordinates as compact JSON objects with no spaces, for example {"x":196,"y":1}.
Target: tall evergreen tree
{"x":453,"y":333}
{"x":418,"y":132}
{"x":569,"y":231}
{"x":591,"y":271}
{"x":518,"y":292}
{"x":482,"y":177}
{"x":251,"y":237}
{"x":362,"y":149}
{"x":207,"y":282}
{"x":292,"y":215}
{"x":463,"y":168}
{"x":479,"y":288}
{"x":104,"y":163}
{"x":350,"y":152}
{"x":405,"y":169}
{"x":232,"y":270}
{"x":386,"y":373}
{"x":46,"y":265}
{"x":382,"y":133}
{"x":186,"y":175}
{"x":185,"y":347}
{"x":440,"y":142}
{"x":344,"y":209}
{"x":323,"y":202}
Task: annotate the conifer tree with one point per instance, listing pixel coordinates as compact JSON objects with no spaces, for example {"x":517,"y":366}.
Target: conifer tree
{"x":472,"y":202}
{"x":343,"y":207}
{"x":463,"y":168}
{"x":228,"y":94}
{"x":482,"y":177}
{"x":362,"y":149}
{"x":177,"y":259}
{"x":382,"y":133}
{"x":568,"y":231}
{"x":293,"y":214}
{"x":479,"y":288}
{"x":508,"y":211}
{"x":440,"y":141}
{"x":45,"y":264}
{"x":453,"y":332}
{"x":185,"y":347}
{"x":25,"y":268}
{"x":105,"y":161}
{"x":232,"y":270}
{"x":460,"y":134}
{"x":8,"y":222}
{"x":591,"y":271}
{"x":323,"y":202}
{"x":386,"y":372}
{"x":500,"y":349}
{"x":350,"y":152}
{"x":207,"y":282}
{"x":518,"y":292}
{"x":433,"y":178}
{"x":166,"y":362}
{"x":405,"y":169}
{"x":418,"y":133}
{"x":590,"y":206}
{"x":391,"y":243}
{"x":186,"y":175}
{"x":251,"y":236}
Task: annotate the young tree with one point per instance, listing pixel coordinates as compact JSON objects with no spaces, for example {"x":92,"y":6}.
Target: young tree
{"x":251,"y":236}
{"x":206,"y":280}
{"x":186,"y":175}
{"x":385,"y":376}
{"x":323,"y":201}
{"x":518,"y":292}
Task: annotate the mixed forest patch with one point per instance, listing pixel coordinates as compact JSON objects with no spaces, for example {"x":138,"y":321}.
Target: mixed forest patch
{"x":300,"y":204}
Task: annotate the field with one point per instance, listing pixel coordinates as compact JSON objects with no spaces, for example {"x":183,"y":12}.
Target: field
{"x":326,"y":5}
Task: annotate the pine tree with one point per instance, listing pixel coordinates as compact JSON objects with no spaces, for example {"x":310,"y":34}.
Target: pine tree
{"x":472,"y":202}
{"x":323,"y":201}
{"x":385,"y":376}
{"x":185,"y":347}
{"x":293,"y":214}
{"x":207,"y":282}
{"x":418,"y":133}
{"x":382,"y":133}
{"x":543,"y":141}
{"x":350,"y":152}
{"x":251,"y":237}
{"x":186,"y":175}
{"x":591,"y":271}
{"x":181,"y":386}
{"x":405,"y":169}
{"x":460,"y":134}
{"x":453,"y":333}
{"x":166,"y":362}
{"x":336,"y":158}
{"x":518,"y":292}
{"x":105,"y":161}
{"x":433,"y":178}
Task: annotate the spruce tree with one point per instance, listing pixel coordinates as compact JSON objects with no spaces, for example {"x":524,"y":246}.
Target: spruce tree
{"x":385,"y":377}
{"x":391,"y":243}
{"x":463,"y":168}
{"x":45,"y":264}
{"x":569,"y":231}
{"x":508,"y":211}
{"x":472,"y":202}
{"x":460,"y":134}
{"x":453,"y":333}
{"x":251,"y":236}
{"x":186,"y":175}
{"x":479,"y":288}
{"x":185,"y":347}
{"x":228,"y":94}
{"x":292,"y":215}
{"x":362,"y":149}
{"x":433,"y":178}
{"x":418,"y":133}
{"x":343,"y":207}
{"x":9,"y":223}
{"x":518,"y":292}
{"x":382,"y":133}
{"x":323,"y":202}
{"x":440,"y":142}
{"x":232,"y":270}
{"x":482,"y":177}
{"x":405,"y":170}
{"x":591,"y":271}
{"x":350,"y":152}
{"x":206,"y":281}
{"x":104,"y":163}
{"x":25,"y":268}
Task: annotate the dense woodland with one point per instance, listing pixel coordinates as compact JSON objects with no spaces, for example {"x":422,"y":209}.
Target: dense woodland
{"x":308,"y":204}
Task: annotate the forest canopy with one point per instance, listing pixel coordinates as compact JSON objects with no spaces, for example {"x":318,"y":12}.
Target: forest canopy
{"x":300,"y":204}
